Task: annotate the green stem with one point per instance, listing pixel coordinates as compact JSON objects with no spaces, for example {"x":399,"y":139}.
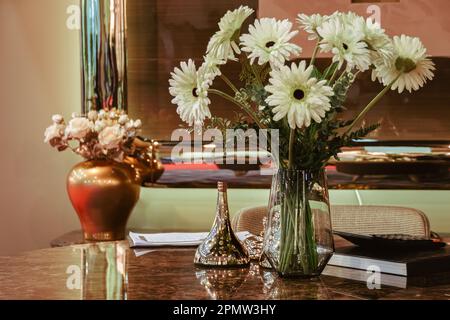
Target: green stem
{"x":341,"y":76}
{"x":291,"y":149}
{"x":229,"y":83}
{"x":372,"y":104}
{"x":239,"y":104}
{"x":334,"y":75}
{"x":315,"y":52}
{"x":257,"y":77}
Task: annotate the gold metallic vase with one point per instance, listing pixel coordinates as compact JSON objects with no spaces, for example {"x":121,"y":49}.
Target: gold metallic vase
{"x":103,"y":193}
{"x":221,"y":248}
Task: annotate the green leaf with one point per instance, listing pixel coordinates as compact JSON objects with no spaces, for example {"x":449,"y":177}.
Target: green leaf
{"x":316,"y":73}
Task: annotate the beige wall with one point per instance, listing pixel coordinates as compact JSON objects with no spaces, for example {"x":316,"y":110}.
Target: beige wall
{"x":39,"y":76}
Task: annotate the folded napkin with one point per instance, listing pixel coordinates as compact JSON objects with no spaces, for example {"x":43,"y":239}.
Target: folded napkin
{"x":176,"y":239}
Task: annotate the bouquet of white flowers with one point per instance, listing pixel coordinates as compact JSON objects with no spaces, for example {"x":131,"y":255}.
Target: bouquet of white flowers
{"x":303,"y":102}
{"x":104,"y":135}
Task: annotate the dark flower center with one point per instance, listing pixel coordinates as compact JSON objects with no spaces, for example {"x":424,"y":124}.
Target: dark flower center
{"x":345,"y":46}
{"x":194,"y":92}
{"x":270,"y":44}
{"x":299,"y":94}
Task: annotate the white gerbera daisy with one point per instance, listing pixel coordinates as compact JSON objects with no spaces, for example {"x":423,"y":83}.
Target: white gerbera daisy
{"x":294,"y":93}
{"x":268,"y":41}
{"x":223,"y":43}
{"x":190,"y":91}
{"x":345,"y":42}
{"x":311,"y":23}
{"x":410,"y":60}
{"x":211,"y":66}
{"x":378,"y":42}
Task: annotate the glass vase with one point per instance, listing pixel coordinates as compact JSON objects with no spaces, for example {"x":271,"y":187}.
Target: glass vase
{"x":298,"y":238}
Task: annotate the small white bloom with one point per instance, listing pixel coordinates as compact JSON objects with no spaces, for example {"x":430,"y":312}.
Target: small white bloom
{"x":102,"y":114}
{"x":99,"y":125}
{"x":211,"y":67}
{"x":75,"y":115}
{"x":268,"y":41}
{"x":311,"y":23}
{"x":190,"y":91}
{"x":54,"y":131}
{"x":223,"y":43}
{"x":92,"y":115}
{"x":57,"y":118}
{"x":123,"y":119}
{"x":113,"y":114}
{"x":293,"y":93}
{"x":410,"y":60}
{"x":137,"y":124}
{"x":345,"y":41}
{"x":378,"y":42}
{"x":78,"y":128}
{"x":129,"y":125}
{"x":111,"y":137}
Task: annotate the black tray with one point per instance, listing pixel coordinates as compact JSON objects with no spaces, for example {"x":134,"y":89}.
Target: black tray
{"x":382,"y":242}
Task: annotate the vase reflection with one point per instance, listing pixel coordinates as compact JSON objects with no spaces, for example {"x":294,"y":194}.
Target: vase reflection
{"x":278,"y":288}
{"x":222,"y":283}
{"x":104,"y":271}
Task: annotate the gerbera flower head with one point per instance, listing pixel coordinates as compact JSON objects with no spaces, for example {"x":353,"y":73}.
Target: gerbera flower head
{"x":210,"y":67}
{"x":378,"y":42}
{"x":341,"y":36}
{"x":222,"y":44}
{"x":189,"y":88}
{"x":297,"y":95}
{"x":310,"y":23}
{"x":410,"y":61}
{"x":268,"y":41}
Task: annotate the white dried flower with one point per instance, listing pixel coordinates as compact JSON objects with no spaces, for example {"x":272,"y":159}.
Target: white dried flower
{"x":57,"y":118}
{"x":92,"y":115}
{"x":54,"y":131}
{"x":102,"y":114}
{"x":99,"y":125}
{"x":123,"y":119}
{"x":111,"y":137}
{"x":78,"y":128}
{"x":137,"y":124}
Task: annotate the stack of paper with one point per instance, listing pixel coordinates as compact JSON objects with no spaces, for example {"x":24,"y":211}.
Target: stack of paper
{"x":178,"y":239}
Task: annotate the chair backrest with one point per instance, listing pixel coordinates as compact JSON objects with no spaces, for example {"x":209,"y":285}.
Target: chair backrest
{"x":353,"y":219}
{"x":380,"y":220}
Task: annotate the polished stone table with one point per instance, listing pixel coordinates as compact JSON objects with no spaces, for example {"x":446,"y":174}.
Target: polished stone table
{"x":114,"y":271}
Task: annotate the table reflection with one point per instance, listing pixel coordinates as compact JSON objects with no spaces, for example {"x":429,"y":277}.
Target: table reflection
{"x":222,"y":283}
{"x":104,"y":272}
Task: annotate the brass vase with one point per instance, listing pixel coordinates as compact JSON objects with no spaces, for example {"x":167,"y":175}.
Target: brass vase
{"x":103,"y":193}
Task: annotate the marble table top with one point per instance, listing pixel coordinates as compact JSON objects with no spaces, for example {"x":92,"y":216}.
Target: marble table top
{"x":113,"y":271}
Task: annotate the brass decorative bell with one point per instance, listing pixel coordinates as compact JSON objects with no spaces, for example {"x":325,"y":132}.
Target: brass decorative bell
{"x":221,"y":248}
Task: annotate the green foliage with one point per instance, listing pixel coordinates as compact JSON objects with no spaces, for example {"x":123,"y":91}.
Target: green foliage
{"x":313,"y":146}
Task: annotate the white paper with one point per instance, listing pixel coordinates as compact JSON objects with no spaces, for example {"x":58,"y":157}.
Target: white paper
{"x":178,"y":239}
